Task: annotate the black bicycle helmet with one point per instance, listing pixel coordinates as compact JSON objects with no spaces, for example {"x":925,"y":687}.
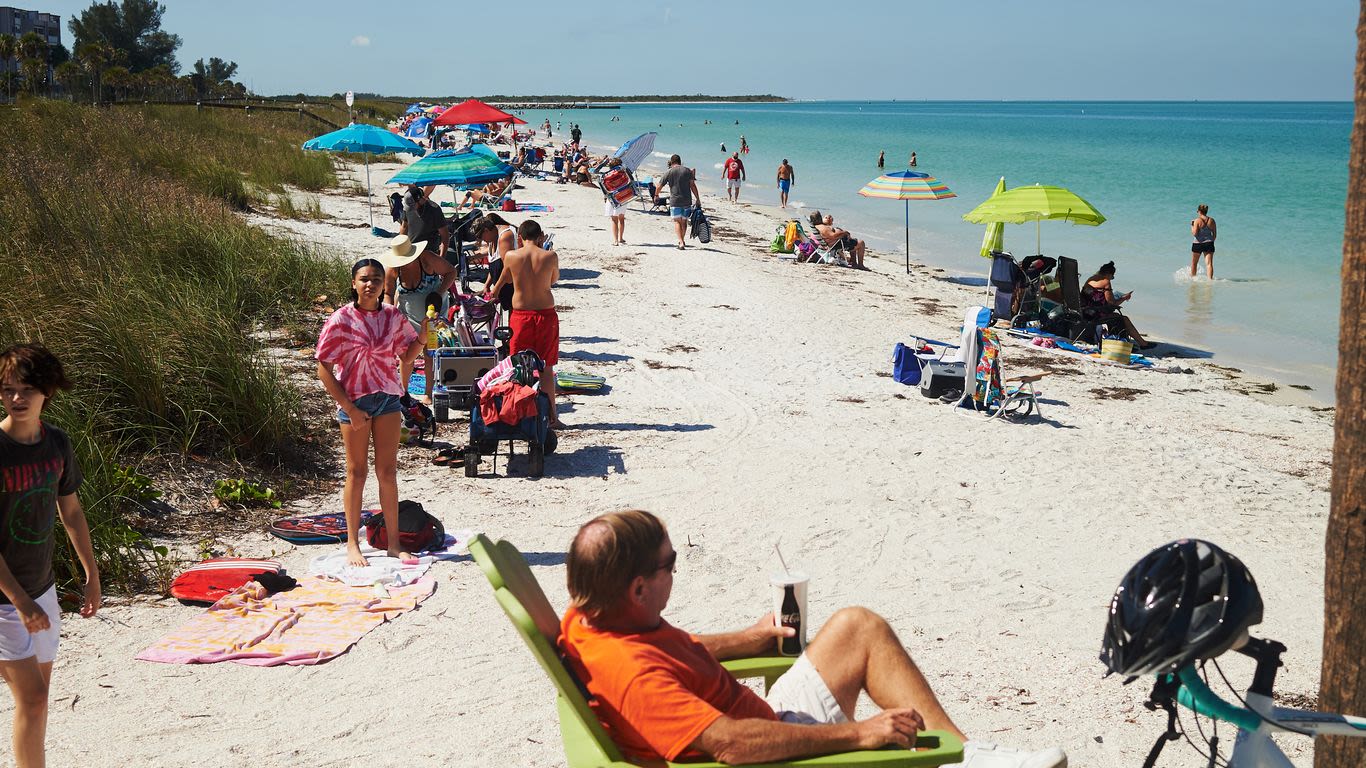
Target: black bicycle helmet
{"x":1184,"y":601}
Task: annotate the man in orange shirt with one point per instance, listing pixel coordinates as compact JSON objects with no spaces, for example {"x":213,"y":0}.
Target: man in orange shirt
{"x":662,"y":693}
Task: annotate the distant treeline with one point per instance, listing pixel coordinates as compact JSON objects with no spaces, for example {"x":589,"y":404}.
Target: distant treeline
{"x":561,"y":98}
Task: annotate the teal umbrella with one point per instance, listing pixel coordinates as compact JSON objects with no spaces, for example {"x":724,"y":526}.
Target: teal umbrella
{"x":368,"y":139}
{"x":477,"y":165}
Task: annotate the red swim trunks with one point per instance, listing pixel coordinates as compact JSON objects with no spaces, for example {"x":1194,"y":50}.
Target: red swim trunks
{"x":537,"y":330}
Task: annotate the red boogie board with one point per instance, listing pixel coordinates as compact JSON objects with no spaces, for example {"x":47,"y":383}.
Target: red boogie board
{"x":206,"y":582}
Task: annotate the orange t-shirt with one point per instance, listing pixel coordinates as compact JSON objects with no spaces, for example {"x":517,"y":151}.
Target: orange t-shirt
{"x":655,"y":692}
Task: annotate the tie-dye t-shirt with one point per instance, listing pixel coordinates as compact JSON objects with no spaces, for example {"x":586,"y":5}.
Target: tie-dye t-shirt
{"x":363,"y":348}
{"x":31,"y":479}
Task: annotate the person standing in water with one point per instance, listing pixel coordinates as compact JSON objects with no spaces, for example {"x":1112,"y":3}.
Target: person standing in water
{"x":744,"y":145}
{"x":912,"y":159}
{"x":882,"y":158}
{"x":1203,"y":232}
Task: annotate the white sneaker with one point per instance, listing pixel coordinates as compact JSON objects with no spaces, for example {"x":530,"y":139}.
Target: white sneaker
{"x":985,"y":754}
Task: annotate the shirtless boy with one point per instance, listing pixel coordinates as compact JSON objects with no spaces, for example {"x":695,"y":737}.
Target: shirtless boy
{"x":532,"y":270}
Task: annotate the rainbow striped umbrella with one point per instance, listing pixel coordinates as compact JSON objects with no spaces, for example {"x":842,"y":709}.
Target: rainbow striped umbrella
{"x":907,"y":186}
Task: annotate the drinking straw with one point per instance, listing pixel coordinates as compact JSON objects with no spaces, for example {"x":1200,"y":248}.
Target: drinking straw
{"x":781,"y":561}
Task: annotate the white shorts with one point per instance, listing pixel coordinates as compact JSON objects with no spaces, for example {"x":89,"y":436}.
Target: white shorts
{"x":17,"y":644}
{"x":801,"y":696}
{"x":732,"y":183}
{"x":611,"y":208}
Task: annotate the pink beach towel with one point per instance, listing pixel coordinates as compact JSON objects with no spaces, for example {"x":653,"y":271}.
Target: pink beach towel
{"x":314,"y":622}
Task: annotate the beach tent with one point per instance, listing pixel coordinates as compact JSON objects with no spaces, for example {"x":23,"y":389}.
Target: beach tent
{"x":476,"y":111}
{"x":1035,"y":203}
{"x":417,"y":129}
{"x":907,"y":186}
{"x":368,"y":139}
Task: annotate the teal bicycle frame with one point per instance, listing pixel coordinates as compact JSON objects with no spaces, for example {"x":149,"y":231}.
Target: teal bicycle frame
{"x":1256,"y":722}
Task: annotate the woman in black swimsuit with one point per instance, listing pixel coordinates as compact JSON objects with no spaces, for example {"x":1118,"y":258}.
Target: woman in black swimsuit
{"x":1099,"y":297}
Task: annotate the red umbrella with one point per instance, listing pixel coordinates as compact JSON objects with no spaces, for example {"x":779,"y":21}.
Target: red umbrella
{"x":476,"y":111}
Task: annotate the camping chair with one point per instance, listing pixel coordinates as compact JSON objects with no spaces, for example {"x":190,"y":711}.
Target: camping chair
{"x":1089,"y":325}
{"x":586,"y":743}
{"x":823,"y":253}
{"x":989,"y":393}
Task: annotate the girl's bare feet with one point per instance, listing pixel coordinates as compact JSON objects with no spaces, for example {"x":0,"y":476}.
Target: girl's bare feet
{"x":400,"y":554}
{"x":354,"y":557}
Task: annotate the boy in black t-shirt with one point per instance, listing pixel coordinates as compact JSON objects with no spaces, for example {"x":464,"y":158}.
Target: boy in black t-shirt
{"x":38,"y":480}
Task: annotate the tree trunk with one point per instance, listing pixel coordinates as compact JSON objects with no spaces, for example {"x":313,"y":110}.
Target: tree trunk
{"x":1343,"y":687}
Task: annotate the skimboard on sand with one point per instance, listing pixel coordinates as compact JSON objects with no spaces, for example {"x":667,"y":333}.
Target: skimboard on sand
{"x":580,"y":381}
{"x":327,"y":528}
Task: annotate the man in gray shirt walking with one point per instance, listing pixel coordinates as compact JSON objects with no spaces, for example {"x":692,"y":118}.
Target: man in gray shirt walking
{"x":682,"y":184}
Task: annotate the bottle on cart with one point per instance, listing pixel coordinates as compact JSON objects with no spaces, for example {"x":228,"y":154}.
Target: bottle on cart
{"x":433,"y":328}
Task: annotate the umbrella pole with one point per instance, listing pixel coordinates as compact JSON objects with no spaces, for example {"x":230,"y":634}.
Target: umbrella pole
{"x":369,"y":202}
{"x":908,"y":237}
{"x":1038,"y":248}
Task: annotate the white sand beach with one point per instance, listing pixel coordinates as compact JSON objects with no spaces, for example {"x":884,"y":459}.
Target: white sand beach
{"x":750,"y":403}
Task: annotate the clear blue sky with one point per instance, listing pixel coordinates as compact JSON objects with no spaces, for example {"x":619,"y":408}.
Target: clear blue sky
{"x":879,"y":49}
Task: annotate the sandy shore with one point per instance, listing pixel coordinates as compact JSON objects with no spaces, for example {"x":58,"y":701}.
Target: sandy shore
{"x":750,"y":403}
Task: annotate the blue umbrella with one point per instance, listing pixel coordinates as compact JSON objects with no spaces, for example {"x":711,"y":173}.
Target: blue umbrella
{"x":413,"y":108}
{"x":475,"y":128}
{"x":418,"y":127}
{"x":634,"y":152}
{"x":358,"y":137}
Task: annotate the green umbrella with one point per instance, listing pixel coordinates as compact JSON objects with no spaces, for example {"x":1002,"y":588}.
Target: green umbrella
{"x":1036,"y":203}
{"x":995,"y":237}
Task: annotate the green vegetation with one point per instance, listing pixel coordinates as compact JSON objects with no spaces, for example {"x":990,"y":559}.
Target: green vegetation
{"x":122,"y":253}
{"x":244,"y":493}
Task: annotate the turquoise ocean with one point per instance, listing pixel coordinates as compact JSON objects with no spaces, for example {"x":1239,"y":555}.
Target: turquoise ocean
{"x":1273,"y":174}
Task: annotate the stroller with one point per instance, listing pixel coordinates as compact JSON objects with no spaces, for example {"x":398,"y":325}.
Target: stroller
{"x":534,"y":430}
{"x":1018,"y":286}
{"x":462,"y":241}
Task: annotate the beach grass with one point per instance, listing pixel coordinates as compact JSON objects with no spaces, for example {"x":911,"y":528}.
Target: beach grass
{"x":124,"y":255}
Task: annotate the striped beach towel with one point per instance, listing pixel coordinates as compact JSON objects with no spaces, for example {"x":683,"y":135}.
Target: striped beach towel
{"x":314,"y":622}
{"x":579,"y":381}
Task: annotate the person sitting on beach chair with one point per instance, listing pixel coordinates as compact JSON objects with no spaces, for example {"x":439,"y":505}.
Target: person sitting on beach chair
{"x":490,"y":192}
{"x":853,"y":247}
{"x":1098,"y":299}
{"x":663,"y":694}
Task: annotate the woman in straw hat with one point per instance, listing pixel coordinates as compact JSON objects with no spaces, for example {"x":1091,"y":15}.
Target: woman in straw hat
{"x":431,"y":278}
{"x":359,"y":351}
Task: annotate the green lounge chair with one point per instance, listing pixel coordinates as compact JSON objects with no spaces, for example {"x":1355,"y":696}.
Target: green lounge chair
{"x":586,"y":744}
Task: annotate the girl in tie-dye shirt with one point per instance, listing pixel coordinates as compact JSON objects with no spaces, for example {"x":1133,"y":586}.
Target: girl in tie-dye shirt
{"x":359,"y":351}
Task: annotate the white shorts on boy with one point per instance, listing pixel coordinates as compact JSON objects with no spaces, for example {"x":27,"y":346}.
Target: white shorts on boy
{"x":16,"y":644}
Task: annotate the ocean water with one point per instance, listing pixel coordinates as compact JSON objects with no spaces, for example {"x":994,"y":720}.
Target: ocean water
{"x":1273,"y":174}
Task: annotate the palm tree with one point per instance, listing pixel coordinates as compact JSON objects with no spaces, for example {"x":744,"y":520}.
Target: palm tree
{"x":8,"y":45}
{"x":68,"y":75}
{"x":33,"y":48}
{"x":119,"y":79}
{"x":93,"y":57}
{"x":1344,"y":582}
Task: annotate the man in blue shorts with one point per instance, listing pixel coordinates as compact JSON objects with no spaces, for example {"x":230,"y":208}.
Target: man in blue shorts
{"x":682,"y":184}
{"x":786,"y":178}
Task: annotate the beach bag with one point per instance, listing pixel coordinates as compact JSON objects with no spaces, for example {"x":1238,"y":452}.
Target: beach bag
{"x":779,"y":244}
{"x":790,"y":236}
{"x":509,"y":205}
{"x":1116,"y":350}
{"x":701,"y":228}
{"x":418,"y":531}
{"x":906,"y":365}
{"x":206,"y":582}
{"x":805,"y":249}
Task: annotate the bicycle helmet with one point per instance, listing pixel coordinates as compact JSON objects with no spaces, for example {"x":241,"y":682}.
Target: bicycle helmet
{"x":1184,"y":601}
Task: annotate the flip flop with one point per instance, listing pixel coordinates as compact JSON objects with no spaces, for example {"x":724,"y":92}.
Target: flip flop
{"x":445,"y":456}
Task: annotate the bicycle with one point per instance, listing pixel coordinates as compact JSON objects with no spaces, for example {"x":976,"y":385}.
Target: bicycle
{"x":1256,"y":720}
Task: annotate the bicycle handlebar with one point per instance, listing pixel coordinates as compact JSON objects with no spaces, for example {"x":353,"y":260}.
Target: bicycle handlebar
{"x":1197,"y":696}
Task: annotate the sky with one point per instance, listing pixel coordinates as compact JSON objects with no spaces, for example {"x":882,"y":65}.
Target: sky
{"x":864,"y":49}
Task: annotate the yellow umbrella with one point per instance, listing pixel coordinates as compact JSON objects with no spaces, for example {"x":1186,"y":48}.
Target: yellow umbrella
{"x":995,"y":237}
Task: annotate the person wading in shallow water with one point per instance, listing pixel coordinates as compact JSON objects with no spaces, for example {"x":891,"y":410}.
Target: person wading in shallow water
{"x":1203,"y":233}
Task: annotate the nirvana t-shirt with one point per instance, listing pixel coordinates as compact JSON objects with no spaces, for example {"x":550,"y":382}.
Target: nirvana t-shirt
{"x":31,"y":479}
{"x":679,"y":181}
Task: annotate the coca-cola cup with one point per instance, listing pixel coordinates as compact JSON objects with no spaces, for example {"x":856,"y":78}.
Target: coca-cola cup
{"x":789,"y":609}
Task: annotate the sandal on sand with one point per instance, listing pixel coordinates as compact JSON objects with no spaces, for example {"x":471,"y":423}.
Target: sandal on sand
{"x":446,"y":456}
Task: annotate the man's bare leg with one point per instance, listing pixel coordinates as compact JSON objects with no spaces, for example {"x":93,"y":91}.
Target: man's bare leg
{"x":856,"y":650}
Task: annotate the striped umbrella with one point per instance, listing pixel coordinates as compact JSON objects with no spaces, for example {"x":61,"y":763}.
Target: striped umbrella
{"x":907,"y":186}
{"x":634,"y":152}
{"x":455,"y":168}
{"x":368,"y":139}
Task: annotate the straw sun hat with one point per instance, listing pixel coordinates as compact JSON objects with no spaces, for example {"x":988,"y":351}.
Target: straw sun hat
{"x":401,"y":251}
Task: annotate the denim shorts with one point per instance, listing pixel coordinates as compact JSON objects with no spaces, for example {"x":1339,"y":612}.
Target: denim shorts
{"x":377,"y":404}
{"x":680,"y":213}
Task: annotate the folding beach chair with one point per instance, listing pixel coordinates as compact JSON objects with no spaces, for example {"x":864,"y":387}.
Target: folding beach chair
{"x":1084,"y":324}
{"x":586,"y":743}
{"x":992,"y":395}
{"x":821,"y":252}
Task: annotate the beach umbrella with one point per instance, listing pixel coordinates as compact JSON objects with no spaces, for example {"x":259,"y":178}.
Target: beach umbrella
{"x":418,"y":128}
{"x":995,"y":237}
{"x":413,"y":108}
{"x":907,"y":186}
{"x":476,"y":111}
{"x":1035,"y":203}
{"x":477,"y":165}
{"x":634,"y":151}
{"x":368,"y":139}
